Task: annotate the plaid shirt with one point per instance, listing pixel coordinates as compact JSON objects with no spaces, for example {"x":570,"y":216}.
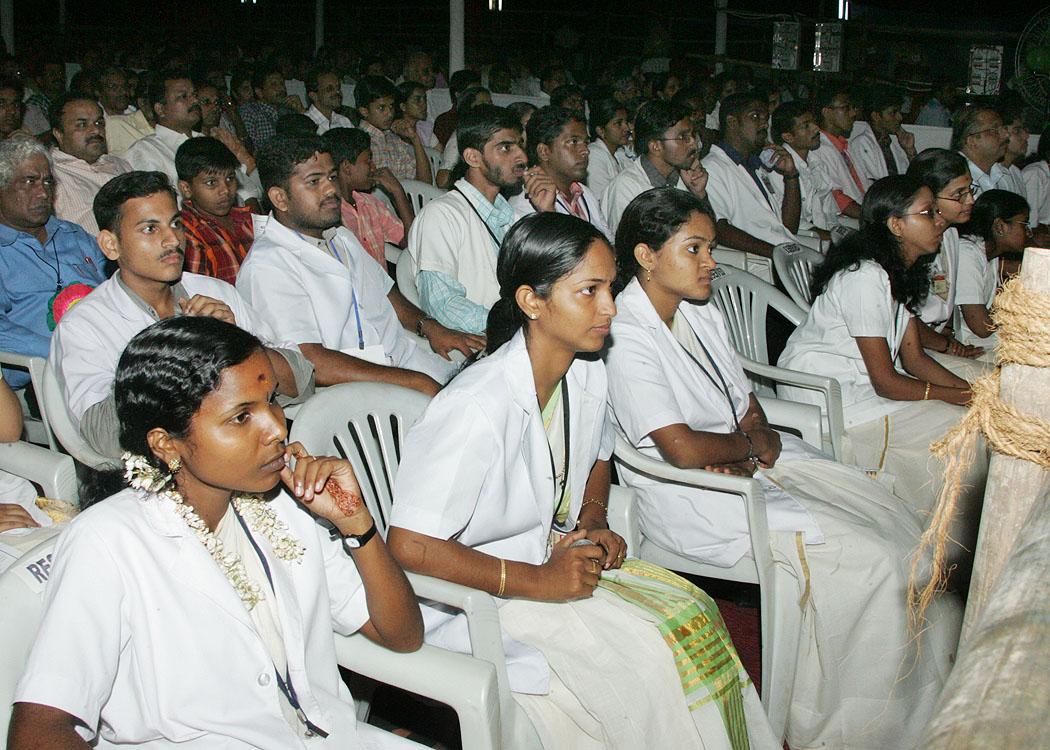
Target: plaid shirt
{"x":260,"y":120}
{"x":389,"y":150}
{"x":211,"y":249}
{"x":373,"y":224}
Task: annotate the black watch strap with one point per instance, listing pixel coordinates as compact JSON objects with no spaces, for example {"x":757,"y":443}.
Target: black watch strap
{"x":357,"y":541}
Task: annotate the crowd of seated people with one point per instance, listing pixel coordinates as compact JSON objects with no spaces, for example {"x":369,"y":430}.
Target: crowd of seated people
{"x":195,"y":244}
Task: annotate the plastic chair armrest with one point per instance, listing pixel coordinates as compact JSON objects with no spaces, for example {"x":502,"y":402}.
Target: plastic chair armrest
{"x":798,"y":416}
{"x":54,"y":472}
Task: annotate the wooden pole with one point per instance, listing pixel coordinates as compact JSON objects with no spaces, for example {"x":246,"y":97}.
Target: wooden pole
{"x":998,"y":694}
{"x":1014,"y":485}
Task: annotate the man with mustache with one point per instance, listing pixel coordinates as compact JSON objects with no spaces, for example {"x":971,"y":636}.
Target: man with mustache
{"x":668,"y":156}
{"x":454,"y":241}
{"x":141,"y":231}
{"x":751,"y":215}
{"x":559,"y":152}
{"x":314,"y":284}
{"x":40,"y":255}
{"x":174,"y":100}
{"x":79,"y":160}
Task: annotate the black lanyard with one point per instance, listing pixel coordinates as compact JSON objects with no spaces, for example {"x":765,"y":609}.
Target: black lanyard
{"x":478,"y":214}
{"x":285,"y":682}
{"x":560,"y":490}
{"x":724,"y":387}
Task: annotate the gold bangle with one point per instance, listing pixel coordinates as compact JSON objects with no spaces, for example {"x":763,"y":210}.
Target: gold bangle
{"x":926,"y":393}
{"x":603,"y":505}
{"x":502,"y":576}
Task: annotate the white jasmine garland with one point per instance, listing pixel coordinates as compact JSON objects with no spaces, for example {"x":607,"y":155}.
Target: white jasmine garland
{"x":255,"y":510}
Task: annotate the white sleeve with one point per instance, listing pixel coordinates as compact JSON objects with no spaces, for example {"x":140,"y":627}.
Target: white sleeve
{"x":83,"y":364}
{"x":863,"y":297}
{"x":281,"y":301}
{"x":1036,"y":184}
{"x":444,"y":462}
{"x":435,"y":238}
{"x":74,"y":661}
{"x":450,"y":156}
{"x":969,"y":283}
{"x":600,"y":170}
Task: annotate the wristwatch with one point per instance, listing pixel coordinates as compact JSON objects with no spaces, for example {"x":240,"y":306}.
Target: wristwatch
{"x":357,"y":541}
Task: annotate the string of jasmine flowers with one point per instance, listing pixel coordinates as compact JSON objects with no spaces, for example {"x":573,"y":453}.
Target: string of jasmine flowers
{"x":140,"y":474}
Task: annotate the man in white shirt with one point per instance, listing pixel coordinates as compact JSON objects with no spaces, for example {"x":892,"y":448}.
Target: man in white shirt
{"x":880,"y":146}
{"x":749,"y":216}
{"x":795,"y":128}
{"x":311,"y":280}
{"x":454,"y":241}
{"x":174,"y":100}
{"x":668,"y":157}
{"x":79,"y":161}
{"x":419,"y":67}
{"x":141,"y":231}
{"x":1016,"y":150}
{"x":837,"y":115}
{"x":326,"y":96}
{"x":980,"y":136}
{"x":559,"y":154}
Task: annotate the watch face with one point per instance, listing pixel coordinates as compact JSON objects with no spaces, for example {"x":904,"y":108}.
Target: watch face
{"x":351,"y":542}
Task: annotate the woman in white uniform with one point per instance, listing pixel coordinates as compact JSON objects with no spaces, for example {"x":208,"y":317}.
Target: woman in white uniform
{"x":945,"y":173}
{"x":862,"y":331}
{"x":841,"y":541}
{"x":1000,"y":224}
{"x":503,"y":486}
{"x":611,"y":132}
{"x":204,"y":602}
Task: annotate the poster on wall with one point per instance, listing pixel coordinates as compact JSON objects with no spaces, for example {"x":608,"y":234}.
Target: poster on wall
{"x":827,"y":48}
{"x":986,"y":70}
{"x":787,"y":36}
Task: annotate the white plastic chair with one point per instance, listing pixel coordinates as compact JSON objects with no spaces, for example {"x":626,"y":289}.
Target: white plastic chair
{"x":36,"y":429}
{"x":366,"y":423}
{"x":406,"y":278}
{"x":420,"y":193}
{"x":392,"y":252}
{"x":53,"y":471}
{"x":795,"y":264}
{"x":65,"y":431}
{"x":744,"y":301}
{"x":434,"y":156}
{"x":778,"y":655}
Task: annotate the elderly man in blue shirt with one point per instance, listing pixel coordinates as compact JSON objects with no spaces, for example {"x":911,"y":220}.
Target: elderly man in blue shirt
{"x":41,"y":256}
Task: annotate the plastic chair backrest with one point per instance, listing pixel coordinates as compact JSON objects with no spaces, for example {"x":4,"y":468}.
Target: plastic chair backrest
{"x":21,"y":607}
{"x":795,"y":264}
{"x":37,"y":430}
{"x":65,"y":430}
{"x":365,"y":424}
{"x":420,"y":193}
{"x":406,"y":278}
{"x":744,"y":300}
{"x":434,"y":157}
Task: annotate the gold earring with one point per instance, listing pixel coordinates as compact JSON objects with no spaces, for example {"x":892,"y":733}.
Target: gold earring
{"x":648,"y":274}
{"x":533,"y":316}
{"x":175,"y":465}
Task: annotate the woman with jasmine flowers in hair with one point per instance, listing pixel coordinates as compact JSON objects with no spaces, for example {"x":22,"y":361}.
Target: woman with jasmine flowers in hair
{"x":204,"y":596}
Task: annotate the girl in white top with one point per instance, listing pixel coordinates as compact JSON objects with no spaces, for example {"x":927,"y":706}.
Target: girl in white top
{"x":841,"y":541}
{"x":503,"y":486}
{"x":1000,"y":224}
{"x":212,"y":595}
{"x":862,"y":331}
{"x":611,"y":131}
{"x":946,"y":174}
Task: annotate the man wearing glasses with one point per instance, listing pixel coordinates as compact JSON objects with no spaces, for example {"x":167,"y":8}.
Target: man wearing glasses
{"x":980,"y":136}
{"x":668,"y":157}
{"x":837,"y":115}
{"x":753,"y":216}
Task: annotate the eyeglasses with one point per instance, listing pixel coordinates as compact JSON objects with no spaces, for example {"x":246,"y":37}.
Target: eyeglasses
{"x":683,"y":138}
{"x":929,"y":213}
{"x":996,"y":129}
{"x":849,"y":105}
{"x":1027,"y":229}
{"x":961,"y":195}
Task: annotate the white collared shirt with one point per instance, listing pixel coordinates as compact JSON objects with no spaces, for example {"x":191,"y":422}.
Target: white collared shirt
{"x":325,"y":124}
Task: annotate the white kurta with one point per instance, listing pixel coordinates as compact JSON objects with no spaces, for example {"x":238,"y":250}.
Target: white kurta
{"x":602,"y":167}
{"x":869,"y":160}
{"x":1036,"y":178}
{"x":978,"y":282}
{"x":853,"y":641}
{"x":477,"y":469}
{"x":169,"y":657}
{"x":449,"y":237}
{"x":591,"y":205}
{"x":818,"y":206}
{"x":88,"y":341}
{"x":838,"y":173}
{"x":882,"y":435}
{"x":156,"y":153}
{"x":307,"y":296}
{"x":736,"y":198}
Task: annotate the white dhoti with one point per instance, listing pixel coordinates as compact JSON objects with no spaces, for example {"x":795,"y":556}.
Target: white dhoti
{"x":964,"y":367}
{"x":860,"y":680}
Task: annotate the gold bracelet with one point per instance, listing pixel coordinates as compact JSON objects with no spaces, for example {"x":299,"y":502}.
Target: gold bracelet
{"x":926,"y":393}
{"x":603,"y":505}
{"x":502,"y":576}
